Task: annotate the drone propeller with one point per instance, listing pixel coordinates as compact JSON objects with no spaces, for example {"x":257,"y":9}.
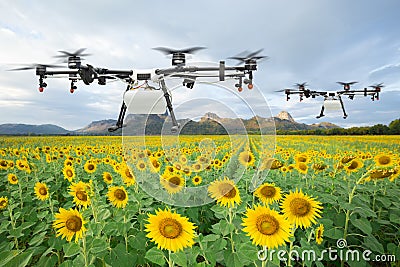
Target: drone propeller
{"x":346,"y":86}
{"x":170,"y":51}
{"x":35,"y":66}
{"x":250,"y":57}
{"x":77,"y":53}
{"x":72,"y":58}
{"x":301,"y":86}
{"x":377,"y":86}
{"x":178,"y":55}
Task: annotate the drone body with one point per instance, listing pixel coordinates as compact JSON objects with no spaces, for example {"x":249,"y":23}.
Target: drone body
{"x":147,"y":101}
{"x":333,"y":99}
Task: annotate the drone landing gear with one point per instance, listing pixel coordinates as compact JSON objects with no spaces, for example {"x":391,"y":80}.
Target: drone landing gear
{"x":321,"y":114}
{"x":342,"y":105}
{"x":121,"y":116}
{"x":175,"y":125}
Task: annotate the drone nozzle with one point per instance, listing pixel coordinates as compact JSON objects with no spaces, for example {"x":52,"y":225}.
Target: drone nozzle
{"x":250,"y":86}
{"x":240,"y":89}
{"x":41,"y":89}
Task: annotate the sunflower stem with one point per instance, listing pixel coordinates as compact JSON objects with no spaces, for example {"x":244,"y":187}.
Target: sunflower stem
{"x":84,"y":250}
{"x":126,"y":235}
{"x":346,"y":223}
{"x":204,"y":254}
{"x":170,"y":262}
{"x":20,"y":195}
{"x":12,"y":225}
{"x":264,"y":262}
{"x":230,"y":214}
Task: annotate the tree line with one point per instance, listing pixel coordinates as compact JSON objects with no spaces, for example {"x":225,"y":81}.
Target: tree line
{"x":379,"y":129}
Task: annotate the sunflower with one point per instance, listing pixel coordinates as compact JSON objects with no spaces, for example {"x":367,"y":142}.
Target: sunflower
{"x":347,"y":159}
{"x":301,"y":167}
{"x":3,"y":203}
{"x":384,"y":160}
{"x":183,"y":159}
{"x":319,"y":166}
{"x":246,"y":158}
{"x":354,"y":165}
{"x":197,"y":167}
{"x":197,"y":180}
{"x":395,"y":175}
{"x":173,"y":183}
{"x":266,"y":227}
{"x":107,"y":178}
{"x":69,"y":173}
{"x":380,"y":174}
{"x":69,"y":223}
{"x":12,"y":178}
{"x":127,"y":176}
{"x":268,"y":193}
{"x":154,"y":164}
{"x":301,"y":209}
{"x":301,"y":158}
{"x":80,"y":192}
{"x":225,"y":192}
{"x":41,"y":191}
{"x":140,"y":165}
{"x":187,"y":170}
{"x":270,"y":164}
{"x":319,"y":232}
{"x":90,"y":167}
{"x":118,"y":196}
{"x":170,"y":231}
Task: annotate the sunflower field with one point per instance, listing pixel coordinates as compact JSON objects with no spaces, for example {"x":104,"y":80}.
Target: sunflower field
{"x":211,"y":201}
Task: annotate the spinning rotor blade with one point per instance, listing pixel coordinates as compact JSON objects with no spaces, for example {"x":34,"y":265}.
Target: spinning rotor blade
{"x":349,"y":83}
{"x":77,"y":53}
{"x":170,"y":51}
{"x":301,"y":86}
{"x":287,"y":91}
{"x":34,"y":66}
{"x":379,"y":85}
{"x":248,"y":56}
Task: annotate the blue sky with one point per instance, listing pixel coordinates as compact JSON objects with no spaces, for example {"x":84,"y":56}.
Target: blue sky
{"x":320,"y":42}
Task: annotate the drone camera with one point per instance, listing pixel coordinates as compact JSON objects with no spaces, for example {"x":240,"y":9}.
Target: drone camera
{"x":189,"y":83}
{"x":101,"y":80}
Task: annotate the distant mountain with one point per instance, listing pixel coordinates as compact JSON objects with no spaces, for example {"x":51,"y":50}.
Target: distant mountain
{"x":97,"y":127}
{"x":210,"y":123}
{"x":324,"y":125}
{"x":284,"y":115}
{"x":27,"y":129}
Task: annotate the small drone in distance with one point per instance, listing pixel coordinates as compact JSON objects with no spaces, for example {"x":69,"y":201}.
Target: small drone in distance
{"x":333,"y":100}
{"x":143,"y":98}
